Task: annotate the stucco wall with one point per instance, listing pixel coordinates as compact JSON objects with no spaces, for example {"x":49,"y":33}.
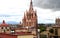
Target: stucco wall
{"x":7,"y":36}
{"x":59,"y":32}
{"x":25,"y":36}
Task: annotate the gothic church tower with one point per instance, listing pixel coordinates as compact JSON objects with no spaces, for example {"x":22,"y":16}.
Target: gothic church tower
{"x":30,"y":17}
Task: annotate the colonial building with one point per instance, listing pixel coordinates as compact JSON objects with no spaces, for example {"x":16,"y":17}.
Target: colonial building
{"x":17,"y":35}
{"x":53,"y":31}
{"x":56,"y":28}
{"x":4,"y":28}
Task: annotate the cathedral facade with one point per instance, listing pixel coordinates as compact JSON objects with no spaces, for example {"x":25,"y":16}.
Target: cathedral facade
{"x":30,"y":17}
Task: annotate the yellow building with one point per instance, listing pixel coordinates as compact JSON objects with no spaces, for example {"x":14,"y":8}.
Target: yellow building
{"x":56,"y":30}
{"x":25,"y":36}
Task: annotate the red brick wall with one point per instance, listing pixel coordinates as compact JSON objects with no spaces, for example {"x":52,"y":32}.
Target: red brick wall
{"x":7,"y":36}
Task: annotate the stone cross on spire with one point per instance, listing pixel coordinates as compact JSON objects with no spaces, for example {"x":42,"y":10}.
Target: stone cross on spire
{"x":31,"y":6}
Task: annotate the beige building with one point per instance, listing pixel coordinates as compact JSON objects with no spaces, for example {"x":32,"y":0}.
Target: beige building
{"x":56,"y":30}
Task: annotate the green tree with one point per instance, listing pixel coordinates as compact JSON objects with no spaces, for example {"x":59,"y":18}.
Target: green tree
{"x":42,"y":28}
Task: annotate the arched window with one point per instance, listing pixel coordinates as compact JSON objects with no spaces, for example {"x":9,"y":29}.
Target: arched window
{"x":1,"y":27}
{"x":56,"y":31}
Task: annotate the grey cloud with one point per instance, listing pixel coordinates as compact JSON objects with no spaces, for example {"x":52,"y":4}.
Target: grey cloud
{"x":48,"y":4}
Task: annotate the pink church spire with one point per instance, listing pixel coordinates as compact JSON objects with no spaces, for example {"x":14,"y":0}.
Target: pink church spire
{"x":31,"y":6}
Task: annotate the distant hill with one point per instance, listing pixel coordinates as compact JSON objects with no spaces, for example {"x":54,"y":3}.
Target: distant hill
{"x":45,"y":25}
{"x":12,"y":22}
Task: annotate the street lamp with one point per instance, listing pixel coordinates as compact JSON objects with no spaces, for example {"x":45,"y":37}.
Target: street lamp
{"x":38,"y":33}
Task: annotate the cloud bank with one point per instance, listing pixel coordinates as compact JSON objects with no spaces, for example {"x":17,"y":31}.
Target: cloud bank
{"x":48,"y":4}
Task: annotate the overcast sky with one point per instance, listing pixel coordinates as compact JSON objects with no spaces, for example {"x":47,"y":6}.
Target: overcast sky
{"x":13,"y":10}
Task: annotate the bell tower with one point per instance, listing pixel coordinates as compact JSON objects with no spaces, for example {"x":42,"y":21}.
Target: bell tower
{"x":30,"y":17}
